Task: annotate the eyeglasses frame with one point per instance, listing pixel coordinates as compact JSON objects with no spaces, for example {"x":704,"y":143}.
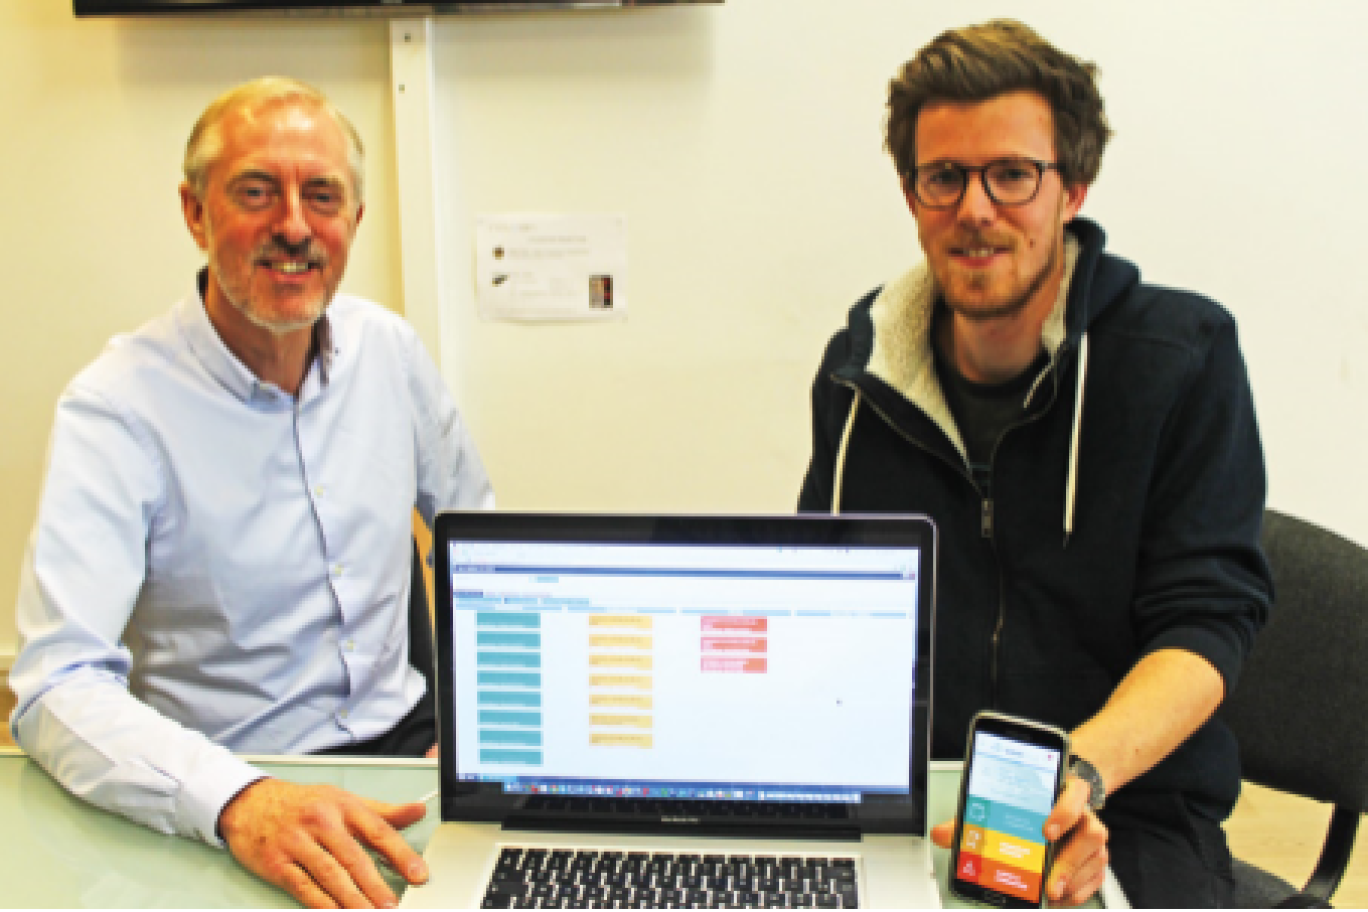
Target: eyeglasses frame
{"x":982,"y":172}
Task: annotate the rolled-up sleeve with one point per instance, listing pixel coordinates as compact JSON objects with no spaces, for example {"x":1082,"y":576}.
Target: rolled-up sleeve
{"x":79,"y":583}
{"x":1204,"y":584}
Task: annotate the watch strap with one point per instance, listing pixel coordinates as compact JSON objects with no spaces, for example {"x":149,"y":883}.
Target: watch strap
{"x":1097,"y":789}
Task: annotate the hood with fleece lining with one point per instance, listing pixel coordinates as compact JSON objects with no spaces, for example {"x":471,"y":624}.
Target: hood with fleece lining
{"x":892,"y":339}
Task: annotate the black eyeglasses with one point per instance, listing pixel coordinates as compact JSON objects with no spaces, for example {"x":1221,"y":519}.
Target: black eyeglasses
{"x":1007,"y":181}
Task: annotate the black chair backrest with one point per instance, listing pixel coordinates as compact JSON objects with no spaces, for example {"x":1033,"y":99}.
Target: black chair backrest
{"x":420,"y":624}
{"x":1299,"y":710}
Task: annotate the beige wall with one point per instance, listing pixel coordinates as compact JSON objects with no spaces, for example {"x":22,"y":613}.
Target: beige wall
{"x":95,"y":115}
{"x":742,"y":141}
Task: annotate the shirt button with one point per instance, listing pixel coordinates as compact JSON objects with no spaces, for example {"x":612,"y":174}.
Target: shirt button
{"x":318,"y":491}
{"x":343,"y":714}
{"x":350,"y":645}
{"x":337,"y":570}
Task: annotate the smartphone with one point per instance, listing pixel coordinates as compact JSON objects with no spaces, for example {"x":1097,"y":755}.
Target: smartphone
{"x":1014,"y":770}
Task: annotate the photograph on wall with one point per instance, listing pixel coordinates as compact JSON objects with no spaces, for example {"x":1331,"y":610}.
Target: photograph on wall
{"x":551,"y":267}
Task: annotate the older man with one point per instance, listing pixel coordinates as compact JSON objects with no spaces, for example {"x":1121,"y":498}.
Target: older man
{"x":221,"y":556}
{"x":1086,"y":444}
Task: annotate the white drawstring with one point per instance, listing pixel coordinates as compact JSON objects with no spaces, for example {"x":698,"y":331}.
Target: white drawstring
{"x":1072,"y":484}
{"x":1073,"y":439}
{"x":841,"y":455}
{"x":1040,"y":378}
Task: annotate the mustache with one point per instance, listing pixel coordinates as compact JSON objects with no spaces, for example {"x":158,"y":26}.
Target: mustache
{"x":279,"y":249}
{"x":979,"y":239}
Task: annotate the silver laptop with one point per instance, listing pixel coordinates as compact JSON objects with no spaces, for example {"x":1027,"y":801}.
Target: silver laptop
{"x":682,"y":711}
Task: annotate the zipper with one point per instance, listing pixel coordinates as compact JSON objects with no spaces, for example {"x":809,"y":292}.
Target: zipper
{"x":986,"y":510}
{"x":994,"y":668}
{"x":987,"y":514}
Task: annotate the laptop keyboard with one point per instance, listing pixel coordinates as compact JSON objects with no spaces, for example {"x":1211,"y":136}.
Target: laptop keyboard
{"x":569,"y":879}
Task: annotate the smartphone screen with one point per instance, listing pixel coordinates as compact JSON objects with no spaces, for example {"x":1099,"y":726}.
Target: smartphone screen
{"x":1013,"y":775}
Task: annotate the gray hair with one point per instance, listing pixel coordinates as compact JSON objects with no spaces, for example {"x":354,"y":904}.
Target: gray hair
{"x":206,"y":139}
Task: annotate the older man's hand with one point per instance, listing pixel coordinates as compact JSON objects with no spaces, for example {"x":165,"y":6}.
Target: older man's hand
{"x":311,"y":841}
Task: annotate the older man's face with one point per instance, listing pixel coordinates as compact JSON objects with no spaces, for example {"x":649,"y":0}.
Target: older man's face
{"x":278,"y":215}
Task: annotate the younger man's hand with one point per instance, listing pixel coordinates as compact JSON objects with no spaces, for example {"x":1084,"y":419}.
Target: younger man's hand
{"x":1080,"y":862}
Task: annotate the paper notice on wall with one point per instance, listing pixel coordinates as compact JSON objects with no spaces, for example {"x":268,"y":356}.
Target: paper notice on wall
{"x":551,"y":267}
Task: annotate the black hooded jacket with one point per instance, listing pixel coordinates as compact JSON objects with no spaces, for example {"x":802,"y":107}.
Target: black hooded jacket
{"x":1125,"y":512}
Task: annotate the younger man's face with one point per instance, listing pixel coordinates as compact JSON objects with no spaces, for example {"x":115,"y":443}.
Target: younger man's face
{"x":992,"y":261}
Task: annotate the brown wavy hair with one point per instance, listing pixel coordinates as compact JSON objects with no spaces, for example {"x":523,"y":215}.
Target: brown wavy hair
{"x":980,"y":62}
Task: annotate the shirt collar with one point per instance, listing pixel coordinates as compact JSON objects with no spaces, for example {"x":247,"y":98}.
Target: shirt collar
{"x":231,"y":373}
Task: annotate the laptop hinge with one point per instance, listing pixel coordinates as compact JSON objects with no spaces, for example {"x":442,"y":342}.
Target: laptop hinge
{"x":600,"y":823}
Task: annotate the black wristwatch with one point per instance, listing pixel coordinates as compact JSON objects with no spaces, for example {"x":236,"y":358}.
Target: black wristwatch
{"x":1088,"y":773}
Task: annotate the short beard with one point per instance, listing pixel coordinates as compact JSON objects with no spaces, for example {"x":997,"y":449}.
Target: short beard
{"x":977,"y":313}
{"x":244,"y":306}
{"x":243,"y":302}
{"x":281,"y":329}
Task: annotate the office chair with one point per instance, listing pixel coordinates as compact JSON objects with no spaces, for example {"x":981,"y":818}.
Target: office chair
{"x":1298,"y":711}
{"x":420,"y":626}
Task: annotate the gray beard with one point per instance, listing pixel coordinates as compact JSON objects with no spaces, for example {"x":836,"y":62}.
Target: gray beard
{"x":248,"y":310}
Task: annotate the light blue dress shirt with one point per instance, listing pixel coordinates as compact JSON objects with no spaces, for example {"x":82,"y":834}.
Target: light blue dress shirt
{"x":220,"y":566}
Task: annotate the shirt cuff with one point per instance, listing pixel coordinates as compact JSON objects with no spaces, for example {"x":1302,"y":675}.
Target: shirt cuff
{"x":216,"y":781}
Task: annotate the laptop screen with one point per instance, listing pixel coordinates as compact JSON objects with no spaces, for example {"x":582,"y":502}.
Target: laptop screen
{"x":700,"y":665}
